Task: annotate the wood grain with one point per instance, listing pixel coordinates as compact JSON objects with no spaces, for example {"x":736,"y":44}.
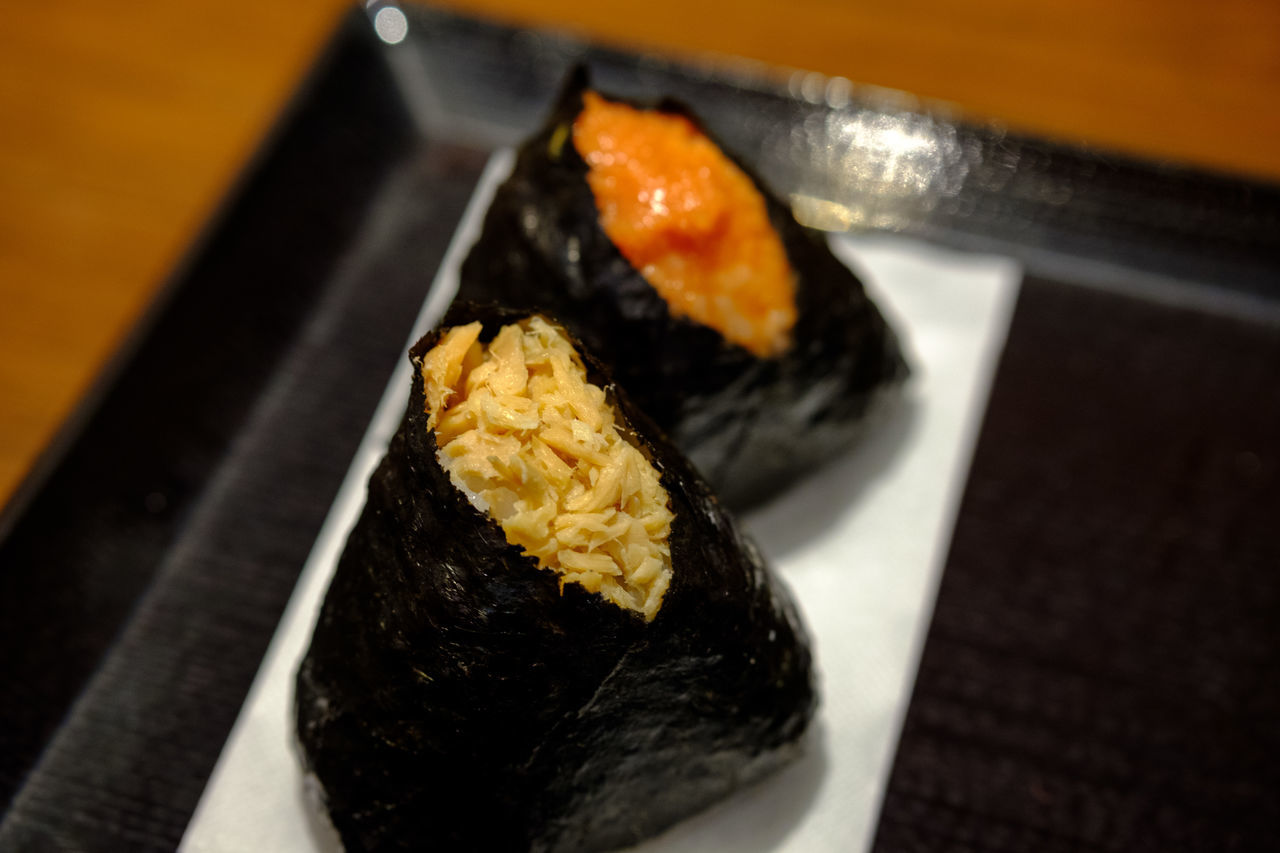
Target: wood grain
{"x":121,"y":125}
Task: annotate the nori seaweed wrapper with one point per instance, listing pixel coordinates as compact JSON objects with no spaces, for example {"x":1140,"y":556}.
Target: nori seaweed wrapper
{"x":752,"y":425}
{"x":455,"y":697}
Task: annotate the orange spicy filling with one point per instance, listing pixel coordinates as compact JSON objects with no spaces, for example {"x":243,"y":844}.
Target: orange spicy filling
{"x":689,"y":220}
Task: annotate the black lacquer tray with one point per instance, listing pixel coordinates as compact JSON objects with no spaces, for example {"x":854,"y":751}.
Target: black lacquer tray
{"x":1103,"y":667}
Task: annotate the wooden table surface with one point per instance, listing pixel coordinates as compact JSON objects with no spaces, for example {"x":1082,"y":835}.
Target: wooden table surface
{"x":122,"y":125}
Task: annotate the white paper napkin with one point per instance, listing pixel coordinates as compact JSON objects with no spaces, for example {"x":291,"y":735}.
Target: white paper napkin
{"x":862,"y":545}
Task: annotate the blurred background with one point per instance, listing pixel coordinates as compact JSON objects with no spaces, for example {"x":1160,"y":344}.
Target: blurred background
{"x":122,"y":127}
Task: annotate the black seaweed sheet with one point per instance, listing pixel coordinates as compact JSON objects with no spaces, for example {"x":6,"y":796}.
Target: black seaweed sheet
{"x":455,"y":694}
{"x":752,"y":425}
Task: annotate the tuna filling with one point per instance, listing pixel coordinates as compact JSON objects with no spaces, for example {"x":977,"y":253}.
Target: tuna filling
{"x":531,"y":442}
